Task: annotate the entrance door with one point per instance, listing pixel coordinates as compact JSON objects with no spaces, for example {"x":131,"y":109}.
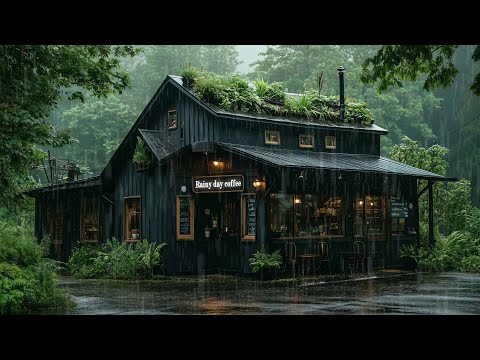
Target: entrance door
{"x":217,"y":231}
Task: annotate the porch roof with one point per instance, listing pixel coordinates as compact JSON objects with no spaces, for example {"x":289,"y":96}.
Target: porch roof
{"x":331,"y":161}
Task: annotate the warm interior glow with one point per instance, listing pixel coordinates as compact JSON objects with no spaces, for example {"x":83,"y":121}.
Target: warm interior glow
{"x":298,"y":201}
{"x":361,"y":202}
{"x":371,"y":203}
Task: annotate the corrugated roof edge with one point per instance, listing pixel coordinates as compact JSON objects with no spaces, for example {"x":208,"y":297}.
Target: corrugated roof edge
{"x":91,"y":181}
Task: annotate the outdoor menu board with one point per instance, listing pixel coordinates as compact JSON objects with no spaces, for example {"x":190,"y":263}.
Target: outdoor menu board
{"x":251,"y":216}
{"x":398,"y":209}
{"x":184,"y":217}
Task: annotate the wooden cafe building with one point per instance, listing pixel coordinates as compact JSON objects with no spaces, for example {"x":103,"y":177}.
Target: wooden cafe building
{"x":223,"y":184}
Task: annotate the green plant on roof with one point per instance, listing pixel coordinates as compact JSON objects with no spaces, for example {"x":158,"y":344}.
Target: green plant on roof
{"x":140,"y":155}
{"x":231,"y":92}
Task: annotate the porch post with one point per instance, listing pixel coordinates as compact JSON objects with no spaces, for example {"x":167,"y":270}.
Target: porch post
{"x":261,"y":224}
{"x":431,"y":238}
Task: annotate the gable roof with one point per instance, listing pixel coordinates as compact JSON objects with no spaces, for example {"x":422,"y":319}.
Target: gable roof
{"x":177,"y":82}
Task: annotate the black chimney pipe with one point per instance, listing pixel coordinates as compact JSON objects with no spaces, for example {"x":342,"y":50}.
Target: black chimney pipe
{"x":341,"y":70}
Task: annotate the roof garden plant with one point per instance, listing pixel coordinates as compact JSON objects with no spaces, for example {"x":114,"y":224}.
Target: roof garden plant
{"x":140,"y":155}
{"x":232,"y":93}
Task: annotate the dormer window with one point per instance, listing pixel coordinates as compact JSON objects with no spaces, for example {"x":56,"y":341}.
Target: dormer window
{"x":330,"y":142}
{"x":272,"y":137}
{"x":172,"y":119}
{"x":306,"y":141}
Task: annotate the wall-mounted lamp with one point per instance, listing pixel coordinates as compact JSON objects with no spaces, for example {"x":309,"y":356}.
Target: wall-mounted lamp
{"x":301,"y":176}
{"x":258,"y":183}
{"x":218,"y":163}
{"x":298,"y":201}
{"x":371,"y":203}
{"x":361,"y":202}
{"x":340,"y":176}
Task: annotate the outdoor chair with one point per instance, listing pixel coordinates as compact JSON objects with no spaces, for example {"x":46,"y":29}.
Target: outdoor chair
{"x":324,"y":255}
{"x":290,"y":256}
{"x":359,"y":255}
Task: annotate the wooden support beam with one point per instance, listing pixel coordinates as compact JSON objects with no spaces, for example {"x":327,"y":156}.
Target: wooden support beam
{"x":431,"y":237}
{"x":423,"y":190}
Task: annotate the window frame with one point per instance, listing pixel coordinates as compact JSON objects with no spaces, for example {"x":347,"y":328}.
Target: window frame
{"x":56,"y":215}
{"x":272,"y":133}
{"x":327,"y":142}
{"x":83,"y":215}
{"x":306,"y":146}
{"x":125,"y":218}
{"x":302,"y":197}
{"x":189,"y":237}
{"x":171,"y":113}
{"x":244,"y":209}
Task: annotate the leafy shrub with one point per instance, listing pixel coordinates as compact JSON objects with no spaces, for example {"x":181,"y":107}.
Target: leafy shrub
{"x":81,"y":262}
{"x":27,"y":279}
{"x":116,"y":260}
{"x":140,"y":155}
{"x":263,"y":261}
{"x":460,"y":251}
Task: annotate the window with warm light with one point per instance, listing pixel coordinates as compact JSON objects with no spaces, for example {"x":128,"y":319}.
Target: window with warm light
{"x":306,"y":215}
{"x":306,"y":141}
{"x":172,"y":119}
{"x":132,"y":219}
{"x":55,"y":222}
{"x":89,"y":219}
{"x":370,"y":213}
{"x":272,"y":137}
{"x":330,"y":142}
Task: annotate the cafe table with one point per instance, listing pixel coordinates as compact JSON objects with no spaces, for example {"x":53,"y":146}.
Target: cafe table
{"x":308,"y":257}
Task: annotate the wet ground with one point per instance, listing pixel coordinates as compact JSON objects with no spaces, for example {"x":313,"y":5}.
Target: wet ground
{"x":426,"y":294}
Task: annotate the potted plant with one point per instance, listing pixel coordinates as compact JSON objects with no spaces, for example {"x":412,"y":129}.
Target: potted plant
{"x":140,"y":156}
{"x":265,"y":264}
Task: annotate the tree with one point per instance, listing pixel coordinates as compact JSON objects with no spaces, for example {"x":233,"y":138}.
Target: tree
{"x":99,"y":127}
{"x":393,"y":63}
{"x":451,"y":201}
{"x":158,"y":61}
{"x":33,"y":79}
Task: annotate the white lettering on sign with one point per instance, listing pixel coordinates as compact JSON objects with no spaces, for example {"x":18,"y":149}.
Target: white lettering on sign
{"x":218,"y":184}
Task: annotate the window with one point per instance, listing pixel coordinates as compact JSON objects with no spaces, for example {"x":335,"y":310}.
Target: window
{"x":305,"y":215}
{"x":55,"y":222}
{"x":398,"y":226}
{"x":272,"y":137}
{"x":306,"y":141}
{"x":398,"y":213}
{"x":249,"y":217}
{"x":330,"y":142}
{"x":185,"y":211}
{"x":89,"y":212}
{"x":172,"y":119}
{"x":375,"y":215}
{"x":370,"y":216}
{"x":132,"y":219}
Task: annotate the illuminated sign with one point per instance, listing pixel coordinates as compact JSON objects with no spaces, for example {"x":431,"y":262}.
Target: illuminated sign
{"x":224,"y":183}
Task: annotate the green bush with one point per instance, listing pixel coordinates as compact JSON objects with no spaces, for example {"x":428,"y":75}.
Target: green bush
{"x":81,"y":263}
{"x":115,"y":260}
{"x":261,"y":261}
{"x":27,"y":279}
{"x":459,"y":251}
